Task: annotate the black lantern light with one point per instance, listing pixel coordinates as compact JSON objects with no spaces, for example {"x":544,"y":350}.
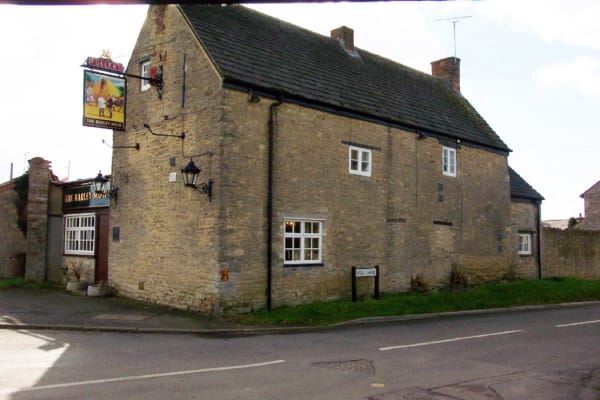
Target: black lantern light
{"x":100,"y":183}
{"x":190,"y":174}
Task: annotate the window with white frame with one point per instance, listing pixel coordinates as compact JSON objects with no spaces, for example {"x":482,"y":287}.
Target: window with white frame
{"x":359,"y":161}
{"x":449,"y":161}
{"x":145,"y":72}
{"x":525,"y":243}
{"x":303,"y":241}
{"x":80,"y":234}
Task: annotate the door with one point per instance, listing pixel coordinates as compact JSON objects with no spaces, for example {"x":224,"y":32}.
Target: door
{"x":101,"y":270}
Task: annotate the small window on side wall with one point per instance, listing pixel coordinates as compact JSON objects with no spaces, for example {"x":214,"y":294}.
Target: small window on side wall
{"x":448,"y":161}
{"x":145,"y":72}
{"x":359,"y":161}
{"x":524,"y":243}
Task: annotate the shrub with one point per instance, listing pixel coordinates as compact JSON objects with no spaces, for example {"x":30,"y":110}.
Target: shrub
{"x":458,"y":279}
{"x":418,"y":284}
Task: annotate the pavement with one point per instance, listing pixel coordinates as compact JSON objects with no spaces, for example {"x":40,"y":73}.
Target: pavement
{"x":55,"y":309}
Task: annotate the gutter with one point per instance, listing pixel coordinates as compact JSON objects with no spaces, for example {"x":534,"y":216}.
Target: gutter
{"x":270,"y":202}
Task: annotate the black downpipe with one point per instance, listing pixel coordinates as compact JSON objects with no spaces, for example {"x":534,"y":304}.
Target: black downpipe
{"x":539,"y":239}
{"x":270,"y":202}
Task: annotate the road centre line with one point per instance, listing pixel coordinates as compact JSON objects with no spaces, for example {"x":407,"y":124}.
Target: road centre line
{"x":140,"y":377}
{"x":578,"y":323}
{"x":406,"y":346}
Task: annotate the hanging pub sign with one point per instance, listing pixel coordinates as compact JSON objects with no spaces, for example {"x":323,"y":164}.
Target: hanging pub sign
{"x":103,"y":97}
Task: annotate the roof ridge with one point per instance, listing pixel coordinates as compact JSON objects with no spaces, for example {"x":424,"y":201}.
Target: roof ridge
{"x":255,"y":50}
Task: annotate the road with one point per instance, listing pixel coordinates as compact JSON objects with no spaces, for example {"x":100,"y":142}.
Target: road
{"x":550,"y":354}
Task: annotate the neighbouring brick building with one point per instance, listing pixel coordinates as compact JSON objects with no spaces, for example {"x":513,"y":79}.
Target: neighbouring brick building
{"x":320,"y":156}
{"x":57,"y":224}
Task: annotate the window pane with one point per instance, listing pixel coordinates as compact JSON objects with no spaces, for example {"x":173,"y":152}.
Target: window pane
{"x":307,"y":243}
{"x":289,"y":225}
{"x":288,"y":243}
{"x":296,"y":255}
{"x":308,"y":227}
{"x":316,"y":227}
{"x":315,"y":243}
{"x":288,"y":255}
{"x":307,"y":255}
{"x":296,"y":243}
{"x":297,"y":226}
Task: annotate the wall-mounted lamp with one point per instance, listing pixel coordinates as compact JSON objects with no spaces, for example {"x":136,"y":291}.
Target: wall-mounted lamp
{"x":190,"y":174}
{"x":100,"y":185}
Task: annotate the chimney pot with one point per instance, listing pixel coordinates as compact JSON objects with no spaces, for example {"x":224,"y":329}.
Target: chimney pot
{"x":346,"y":36}
{"x":448,"y":68}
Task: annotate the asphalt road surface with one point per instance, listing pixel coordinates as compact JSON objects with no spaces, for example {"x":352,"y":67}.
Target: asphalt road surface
{"x":551,"y":354}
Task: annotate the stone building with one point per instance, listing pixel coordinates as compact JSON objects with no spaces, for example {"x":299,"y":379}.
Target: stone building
{"x":55,"y":225}
{"x":526,"y":205}
{"x":317,"y":155}
{"x":591,"y":208}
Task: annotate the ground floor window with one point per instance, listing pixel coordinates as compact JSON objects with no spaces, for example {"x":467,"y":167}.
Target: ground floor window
{"x":525,"y":243}
{"x":303,"y":241}
{"x":80,"y":234}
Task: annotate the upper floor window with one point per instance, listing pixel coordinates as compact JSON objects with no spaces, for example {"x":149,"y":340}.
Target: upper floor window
{"x":303,"y":241}
{"x":449,"y":161}
{"x":359,"y":161}
{"x":80,"y":234}
{"x":525,"y":243}
{"x":145,"y":72}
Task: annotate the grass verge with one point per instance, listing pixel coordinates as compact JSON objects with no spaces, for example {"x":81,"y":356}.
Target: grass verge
{"x":7,"y":283}
{"x":518,"y":293}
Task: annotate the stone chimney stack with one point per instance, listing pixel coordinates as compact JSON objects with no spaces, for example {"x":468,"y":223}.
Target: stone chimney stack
{"x":346,"y":36}
{"x":448,"y":68}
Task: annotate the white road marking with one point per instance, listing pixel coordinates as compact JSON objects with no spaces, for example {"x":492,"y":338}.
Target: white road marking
{"x":140,"y":377}
{"x":579,"y":323}
{"x":406,"y":346}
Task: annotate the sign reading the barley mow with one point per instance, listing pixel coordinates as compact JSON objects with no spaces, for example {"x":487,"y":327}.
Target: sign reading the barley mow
{"x":104,"y":100}
{"x":82,"y":196}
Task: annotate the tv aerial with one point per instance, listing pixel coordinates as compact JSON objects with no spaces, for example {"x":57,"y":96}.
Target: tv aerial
{"x":454,"y":21}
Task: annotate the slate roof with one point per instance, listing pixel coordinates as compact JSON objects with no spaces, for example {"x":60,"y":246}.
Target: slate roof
{"x":595,"y":188}
{"x":519,"y":188}
{"x":253,"y":50}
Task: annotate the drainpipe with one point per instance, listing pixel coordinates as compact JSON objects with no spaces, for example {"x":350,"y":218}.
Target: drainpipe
{"x":539,"y":239}
{"x":270,"y":202}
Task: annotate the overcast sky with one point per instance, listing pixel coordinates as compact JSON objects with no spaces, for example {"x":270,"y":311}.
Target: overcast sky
{"x":531,"y":68}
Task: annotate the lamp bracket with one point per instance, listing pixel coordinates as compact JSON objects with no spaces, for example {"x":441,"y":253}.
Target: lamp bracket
{"x":180,"y":136}
{"x":135,"y":146}
{"x":206,"y":153}
{"x":205,"y":188}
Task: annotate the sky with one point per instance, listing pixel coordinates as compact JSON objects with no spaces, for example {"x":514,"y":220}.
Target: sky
{"x":531,"y":68}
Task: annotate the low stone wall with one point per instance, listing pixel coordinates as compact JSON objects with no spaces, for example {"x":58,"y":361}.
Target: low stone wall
{"x":570,"y":253}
